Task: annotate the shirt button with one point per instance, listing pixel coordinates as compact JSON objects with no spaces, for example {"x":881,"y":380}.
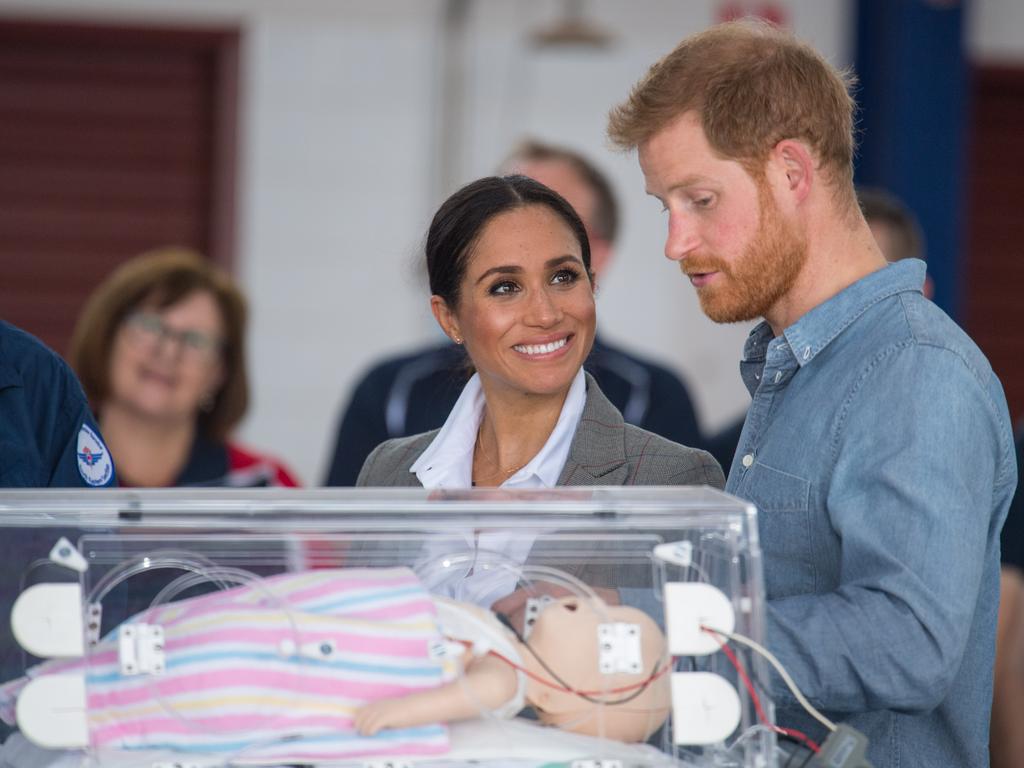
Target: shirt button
{"x":748,"y":460}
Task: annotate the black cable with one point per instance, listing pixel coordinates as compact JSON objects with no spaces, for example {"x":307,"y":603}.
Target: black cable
{"x":554,"y":675}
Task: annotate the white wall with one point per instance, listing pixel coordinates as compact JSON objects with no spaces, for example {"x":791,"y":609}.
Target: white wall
{"x":337,"y":179}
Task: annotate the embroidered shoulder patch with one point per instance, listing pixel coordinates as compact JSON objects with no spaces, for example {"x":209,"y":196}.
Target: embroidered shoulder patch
{"x":94,"y":463}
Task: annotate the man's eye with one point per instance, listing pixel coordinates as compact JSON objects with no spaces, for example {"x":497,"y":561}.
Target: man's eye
{"x":703,"y":202}
{"x":503,"y":288}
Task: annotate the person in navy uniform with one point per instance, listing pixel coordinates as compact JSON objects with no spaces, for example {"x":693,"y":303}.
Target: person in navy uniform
{"x":47,"y":434}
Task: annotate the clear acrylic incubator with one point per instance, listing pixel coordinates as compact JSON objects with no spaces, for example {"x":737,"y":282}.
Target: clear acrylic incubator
{"x":379,"y":628}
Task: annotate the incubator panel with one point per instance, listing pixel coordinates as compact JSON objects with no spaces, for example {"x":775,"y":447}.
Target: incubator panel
{"x":591,"y":628}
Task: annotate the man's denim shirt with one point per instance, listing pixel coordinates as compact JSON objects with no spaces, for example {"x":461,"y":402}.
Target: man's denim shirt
{"x":879,"y":453}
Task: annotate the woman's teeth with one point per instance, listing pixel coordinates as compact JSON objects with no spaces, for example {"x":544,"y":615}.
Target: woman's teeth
{"x":540,"y":349}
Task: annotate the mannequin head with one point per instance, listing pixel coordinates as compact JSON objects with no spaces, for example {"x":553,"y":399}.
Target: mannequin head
{"x":565,"y":636}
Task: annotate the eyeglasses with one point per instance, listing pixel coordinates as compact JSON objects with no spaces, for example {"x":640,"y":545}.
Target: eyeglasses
{"x":150,"y":328}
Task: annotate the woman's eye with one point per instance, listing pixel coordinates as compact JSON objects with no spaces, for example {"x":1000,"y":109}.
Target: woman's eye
{"x":503,"y":288}
{"x":565,"y":276}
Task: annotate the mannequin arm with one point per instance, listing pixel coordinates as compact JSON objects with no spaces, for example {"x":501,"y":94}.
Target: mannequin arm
{"x":487,"y":683}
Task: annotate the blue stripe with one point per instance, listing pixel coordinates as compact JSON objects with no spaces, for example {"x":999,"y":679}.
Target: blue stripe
{"x":235,"y":656}
{"x":367,"y":598}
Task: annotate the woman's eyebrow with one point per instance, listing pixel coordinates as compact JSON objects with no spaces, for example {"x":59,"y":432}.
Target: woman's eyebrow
{"x":504,"y":270}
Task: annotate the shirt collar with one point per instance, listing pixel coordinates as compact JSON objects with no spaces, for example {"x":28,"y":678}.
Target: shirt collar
{"x":809,"y":335}
{"x":448,"y":461}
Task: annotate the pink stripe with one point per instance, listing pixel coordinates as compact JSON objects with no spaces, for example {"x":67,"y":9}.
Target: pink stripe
{"x":280,"y":589}
{"x":413,"y":647}
{"x":249,"y":678}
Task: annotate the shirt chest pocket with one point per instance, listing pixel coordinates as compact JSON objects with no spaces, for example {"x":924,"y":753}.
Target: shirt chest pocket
{"x":783,"y":507}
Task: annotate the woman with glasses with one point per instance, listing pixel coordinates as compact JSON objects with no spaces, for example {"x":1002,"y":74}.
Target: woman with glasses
{"x":160,"y":352}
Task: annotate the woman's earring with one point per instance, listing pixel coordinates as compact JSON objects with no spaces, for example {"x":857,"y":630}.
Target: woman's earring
{"x":457,"y":339}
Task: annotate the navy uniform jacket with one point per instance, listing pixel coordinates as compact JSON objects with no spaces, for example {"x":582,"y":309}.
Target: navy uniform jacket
{"x":47,"y":435}
{"x":1013,"y":528}
{"x":414,"y":393}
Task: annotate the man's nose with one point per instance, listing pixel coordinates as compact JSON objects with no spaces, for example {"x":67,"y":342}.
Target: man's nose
{"x":682,"y":237}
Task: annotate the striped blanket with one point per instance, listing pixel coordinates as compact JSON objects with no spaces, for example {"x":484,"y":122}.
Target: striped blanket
{"x":270,"y":671}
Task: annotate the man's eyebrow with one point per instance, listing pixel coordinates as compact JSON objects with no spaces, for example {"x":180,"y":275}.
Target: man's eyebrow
{"x":693,"y":180}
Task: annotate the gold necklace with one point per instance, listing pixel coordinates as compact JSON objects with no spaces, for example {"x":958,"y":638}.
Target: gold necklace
{"x":478,"y":447}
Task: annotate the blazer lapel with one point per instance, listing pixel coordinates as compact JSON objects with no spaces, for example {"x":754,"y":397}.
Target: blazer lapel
{"x":597,"y":455}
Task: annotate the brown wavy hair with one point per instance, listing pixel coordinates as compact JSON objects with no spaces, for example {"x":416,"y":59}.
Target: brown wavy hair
{"x":162,"y":278}
{"x":752,"y":85}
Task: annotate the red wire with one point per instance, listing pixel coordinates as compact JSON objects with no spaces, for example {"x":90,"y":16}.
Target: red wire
{"x":562,"y":688}
{"x":754,"y":697}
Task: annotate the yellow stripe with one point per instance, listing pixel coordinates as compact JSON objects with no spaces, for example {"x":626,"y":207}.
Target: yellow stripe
{"x":285,"y":703}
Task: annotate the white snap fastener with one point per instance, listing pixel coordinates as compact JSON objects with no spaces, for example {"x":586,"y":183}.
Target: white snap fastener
{"x":748,"y":460}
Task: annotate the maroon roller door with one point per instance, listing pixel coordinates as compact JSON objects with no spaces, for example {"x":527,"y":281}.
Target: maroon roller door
{"x":113,"y":140}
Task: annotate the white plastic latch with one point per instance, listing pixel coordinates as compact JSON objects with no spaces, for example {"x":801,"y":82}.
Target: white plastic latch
{"x":141,"y":649}
{"x":619,"y":648}
{"x":47,"y":620}
{"x":675,"y":552}
{"x":51,"y":712}
{"x":689,"y":606}
{"x":705,"y":708}
{"x":64,"y":553}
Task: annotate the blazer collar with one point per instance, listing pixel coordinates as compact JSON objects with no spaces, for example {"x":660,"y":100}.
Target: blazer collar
{"x":597,"y":455}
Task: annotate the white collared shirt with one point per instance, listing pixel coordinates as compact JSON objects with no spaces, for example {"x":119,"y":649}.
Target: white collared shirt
{"x":448,"y":460}
{"x":448,"y":463}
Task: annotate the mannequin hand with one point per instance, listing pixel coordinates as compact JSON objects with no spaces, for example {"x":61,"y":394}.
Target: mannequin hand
{"x":377,"y":715}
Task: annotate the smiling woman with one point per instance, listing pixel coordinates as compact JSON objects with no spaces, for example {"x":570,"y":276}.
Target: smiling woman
{"x":509,"y":267}
{"x":160,"y":352}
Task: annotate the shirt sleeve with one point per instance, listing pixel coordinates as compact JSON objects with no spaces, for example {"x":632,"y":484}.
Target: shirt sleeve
{"x":919,"y":487}
{"x":82,"y":458}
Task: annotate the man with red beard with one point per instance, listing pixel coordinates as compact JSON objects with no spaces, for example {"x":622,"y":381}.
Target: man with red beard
{"x":877,"y":447}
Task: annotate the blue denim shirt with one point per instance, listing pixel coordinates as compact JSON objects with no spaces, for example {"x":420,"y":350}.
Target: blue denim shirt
{"x":879,"y":453}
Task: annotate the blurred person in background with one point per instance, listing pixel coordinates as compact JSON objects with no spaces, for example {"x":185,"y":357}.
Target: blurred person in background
{"x":895,"y":228}
{"x":160,"y":350}
{"x":415,"y":392}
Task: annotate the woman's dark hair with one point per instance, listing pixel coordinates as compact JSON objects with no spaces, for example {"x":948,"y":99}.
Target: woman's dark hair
{"x":462,"y":217}
{"x":161,"y":279}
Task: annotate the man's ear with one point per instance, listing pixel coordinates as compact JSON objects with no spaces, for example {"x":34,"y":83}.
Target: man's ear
{"x":446,"y":318}
{"x":795,"y":168}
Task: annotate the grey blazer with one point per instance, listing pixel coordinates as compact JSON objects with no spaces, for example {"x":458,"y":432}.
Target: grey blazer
{"x":604,"y":451}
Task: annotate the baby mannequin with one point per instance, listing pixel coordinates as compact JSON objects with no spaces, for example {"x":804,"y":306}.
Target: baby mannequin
{"x":314,"y":665}
{"x":564,"y":640}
